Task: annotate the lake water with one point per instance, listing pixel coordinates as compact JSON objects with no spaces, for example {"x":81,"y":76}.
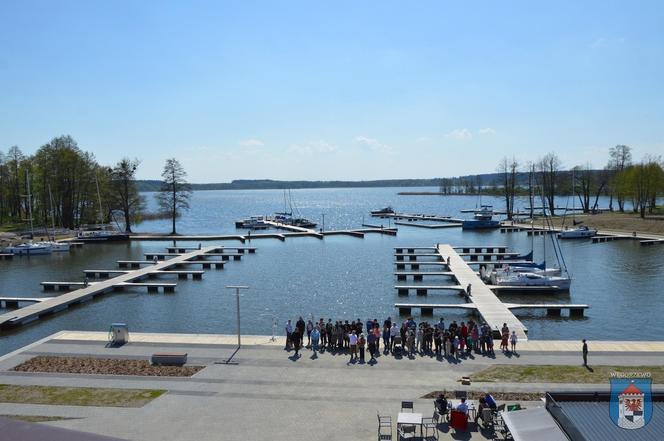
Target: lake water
{"x":339,"y":277}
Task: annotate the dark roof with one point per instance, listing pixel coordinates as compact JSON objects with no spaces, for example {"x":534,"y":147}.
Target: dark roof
{"x":22,"y":431}
{"x":593,"y":421}
{"x":586,"y":417}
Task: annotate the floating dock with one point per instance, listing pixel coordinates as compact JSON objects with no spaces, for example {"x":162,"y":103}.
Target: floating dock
{"x":552,"y":309}
{"x":88,"y":291}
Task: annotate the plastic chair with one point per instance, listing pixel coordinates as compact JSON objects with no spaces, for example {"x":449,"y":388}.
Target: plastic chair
{"x":458,"y":420}
{"x":406,"y":431}
{"x":431,"y":424}
{"x":384,"y":423}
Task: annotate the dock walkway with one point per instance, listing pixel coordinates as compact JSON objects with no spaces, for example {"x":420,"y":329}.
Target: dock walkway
{"x":59,"y":303}
{"x":492,"y":310}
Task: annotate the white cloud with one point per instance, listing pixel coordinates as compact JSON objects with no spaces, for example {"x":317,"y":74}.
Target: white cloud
{"x":252,"y":142}
{"x":312,"y":147}
{"x":487,"y":131}
{"x":423,"y":139}
{"x":372,"y":144}
{"x":460,"y":135}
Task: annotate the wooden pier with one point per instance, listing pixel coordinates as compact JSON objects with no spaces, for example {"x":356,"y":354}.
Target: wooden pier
{"x":491,"y":309}
{"x":411,"y":217}
{"x":88,"y":291}
{"x":6,"y":256}
{"x":13,"y":302}
{"x":480,"y":297}
{"x":552,"y":309}
{"x":430,"y":226}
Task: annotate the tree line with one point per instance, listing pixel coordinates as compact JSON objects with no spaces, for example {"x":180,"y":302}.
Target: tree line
{"x":64,"y":185}
{"x":621,"y":180}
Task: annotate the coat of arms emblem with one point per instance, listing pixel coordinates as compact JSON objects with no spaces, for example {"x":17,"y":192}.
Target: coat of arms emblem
{"x":631,"y":402}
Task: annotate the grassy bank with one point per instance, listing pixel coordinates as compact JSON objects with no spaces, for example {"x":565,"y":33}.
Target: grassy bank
{"x":560,"y":374}
{"x":625,"y":222}
{"x":77,"y":396}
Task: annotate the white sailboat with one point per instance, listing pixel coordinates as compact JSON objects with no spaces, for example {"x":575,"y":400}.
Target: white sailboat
{"x":551,"y":278}
{"x":29,"y":248}
{"x":581,"y":232}
{"x":55,"y":246}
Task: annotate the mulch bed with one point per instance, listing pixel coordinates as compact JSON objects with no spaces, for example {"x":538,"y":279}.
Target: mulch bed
{"x":500,"y":396}
{"x":103,"y":366}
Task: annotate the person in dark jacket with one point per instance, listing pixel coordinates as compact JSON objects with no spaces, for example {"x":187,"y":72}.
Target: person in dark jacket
{"x":300,"y":325}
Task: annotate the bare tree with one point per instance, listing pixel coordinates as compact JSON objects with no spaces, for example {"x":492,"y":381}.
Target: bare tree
{"x":175,"y":190}
{"x":508,"y":168}
{"x":548,"y":168}
{"x":620,"y":158}
{"x":123,"y":186}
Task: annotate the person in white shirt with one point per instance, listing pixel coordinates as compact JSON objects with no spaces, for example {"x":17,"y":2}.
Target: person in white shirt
{"x":394,"y":331}
{"x":352,"y":340}
{"x":462,"y":406}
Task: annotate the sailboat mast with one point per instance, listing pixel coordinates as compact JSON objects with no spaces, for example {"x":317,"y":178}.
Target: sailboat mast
{"x":27,"y":186}
{"x":101,"y":218}
{"x":50,"y":199}
{"x":573,"y":199}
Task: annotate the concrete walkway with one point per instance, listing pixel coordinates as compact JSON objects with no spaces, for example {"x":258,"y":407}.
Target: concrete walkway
{"x":270,"y":394}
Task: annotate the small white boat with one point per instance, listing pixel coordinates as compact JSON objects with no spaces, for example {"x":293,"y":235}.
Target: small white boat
{"x":582,"y":232}
{"x":382,"y":211}
{"x":530,"y":279}
{"x":29,"y":249}
{"x":56,"y":246}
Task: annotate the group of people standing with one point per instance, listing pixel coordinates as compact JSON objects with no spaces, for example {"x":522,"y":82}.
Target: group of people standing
{"x":355,"y":337}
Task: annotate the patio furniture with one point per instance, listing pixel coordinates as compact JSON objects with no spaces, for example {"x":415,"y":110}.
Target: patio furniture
{"x":406,"y":432}
{"x":384,"y":427}
{"x":407,"y":405}
{"x":409,"y":419}
{"x":487,"y":417}
{"x":431,"y":424}
{"x":458,"y":420}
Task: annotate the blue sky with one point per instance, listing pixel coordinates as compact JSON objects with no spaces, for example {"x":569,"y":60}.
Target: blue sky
{"x":334,"y":90}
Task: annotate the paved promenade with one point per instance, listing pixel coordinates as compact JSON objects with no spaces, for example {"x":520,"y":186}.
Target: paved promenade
{"x":271,"y":395}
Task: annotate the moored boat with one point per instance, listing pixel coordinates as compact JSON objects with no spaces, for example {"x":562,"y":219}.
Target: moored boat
{"x":483,"y":219}
{"x":29,"y":249}
{"x":56,"y":246}
{"x":582,"y":232}
{"x":530,"y":279}
{"x":252,"y":223}
{"x":383,"y":211}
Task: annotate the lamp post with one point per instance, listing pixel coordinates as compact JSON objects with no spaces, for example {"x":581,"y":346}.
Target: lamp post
{"x":237,"y":289}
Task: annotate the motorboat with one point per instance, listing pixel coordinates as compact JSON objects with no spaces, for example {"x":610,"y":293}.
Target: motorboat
{"x":252,"y":223}
{"x":525,"y":279}
{"x":582,"y":232}
{"x":101,"y":236}
{"x":29,"y":249}
{"x":482,"y":219}
{"x":383,"y":211}
{"x":56,"y":246}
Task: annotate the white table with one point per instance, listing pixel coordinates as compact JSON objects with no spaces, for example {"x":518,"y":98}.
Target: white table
{"x":410,"y":418}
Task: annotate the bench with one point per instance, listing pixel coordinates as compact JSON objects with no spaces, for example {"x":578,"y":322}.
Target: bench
{"x":169,"y":358}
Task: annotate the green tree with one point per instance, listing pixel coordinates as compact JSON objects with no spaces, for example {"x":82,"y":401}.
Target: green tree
{"x":175,"y":191}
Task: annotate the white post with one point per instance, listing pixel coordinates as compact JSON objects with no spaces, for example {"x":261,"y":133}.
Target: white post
{"x":237,"y":297}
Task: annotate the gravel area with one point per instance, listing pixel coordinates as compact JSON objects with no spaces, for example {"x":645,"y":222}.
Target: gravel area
{"x":103,"y":366}
{"x":500,"y":396}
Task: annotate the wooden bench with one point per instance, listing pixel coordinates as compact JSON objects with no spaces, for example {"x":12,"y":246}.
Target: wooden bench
{"x":169,"y":358}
